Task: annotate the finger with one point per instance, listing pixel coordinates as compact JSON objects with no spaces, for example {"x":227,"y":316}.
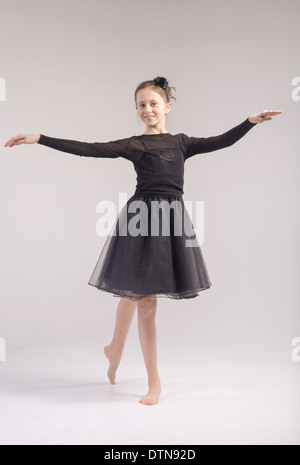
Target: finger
{"x":273,"y":112}
{"x":9,"y":142}
{"x":13,"y":141}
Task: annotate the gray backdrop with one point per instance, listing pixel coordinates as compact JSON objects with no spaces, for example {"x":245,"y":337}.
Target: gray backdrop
{"x":71,"y":69}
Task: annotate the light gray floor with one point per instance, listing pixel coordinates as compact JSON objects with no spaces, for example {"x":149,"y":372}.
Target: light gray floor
{"x":60,"y":395}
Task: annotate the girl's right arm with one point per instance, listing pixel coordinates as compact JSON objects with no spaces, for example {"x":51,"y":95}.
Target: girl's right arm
{"x":112,"y":149}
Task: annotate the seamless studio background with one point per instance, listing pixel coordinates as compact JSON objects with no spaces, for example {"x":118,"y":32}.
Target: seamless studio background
{"x":70,"y":69}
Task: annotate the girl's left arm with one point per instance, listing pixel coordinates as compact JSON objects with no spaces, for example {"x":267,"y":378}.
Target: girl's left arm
{"x":195,"y":145}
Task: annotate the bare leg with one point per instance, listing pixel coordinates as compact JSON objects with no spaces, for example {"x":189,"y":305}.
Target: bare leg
{"x":147,"y":334}
{"x":114,"y":350}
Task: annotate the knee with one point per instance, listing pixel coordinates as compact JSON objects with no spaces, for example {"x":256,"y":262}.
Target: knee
{"x":146,"y":306}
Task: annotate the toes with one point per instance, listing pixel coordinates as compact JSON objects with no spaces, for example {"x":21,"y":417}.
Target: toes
{"x":147,"y":402}
{"x":112,"y":380}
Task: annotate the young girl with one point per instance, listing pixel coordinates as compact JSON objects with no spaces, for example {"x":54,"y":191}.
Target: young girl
{"x":141,"y":267}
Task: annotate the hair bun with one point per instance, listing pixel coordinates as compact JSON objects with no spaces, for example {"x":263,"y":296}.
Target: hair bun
{"x":161,"y":82}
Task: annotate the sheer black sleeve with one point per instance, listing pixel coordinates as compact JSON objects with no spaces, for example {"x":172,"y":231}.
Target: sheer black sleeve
{"x":196,"y":145}
{"x":111,"y":149}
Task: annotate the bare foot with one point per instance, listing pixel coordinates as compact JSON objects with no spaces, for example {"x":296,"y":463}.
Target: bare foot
{"x":153,"y":394}
{"x":114,"y":361}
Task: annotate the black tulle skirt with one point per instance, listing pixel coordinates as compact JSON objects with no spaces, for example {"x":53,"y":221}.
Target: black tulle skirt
{"x":156,"y":262}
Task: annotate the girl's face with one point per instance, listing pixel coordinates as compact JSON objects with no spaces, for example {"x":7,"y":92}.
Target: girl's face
{"x":152,"y":108}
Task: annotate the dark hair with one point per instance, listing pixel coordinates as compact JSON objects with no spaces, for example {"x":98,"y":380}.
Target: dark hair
{"x":160,"y":84}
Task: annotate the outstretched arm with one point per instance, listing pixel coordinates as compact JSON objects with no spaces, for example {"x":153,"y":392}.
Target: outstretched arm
{"x":112,"y":149}
{"x":195,"y":145}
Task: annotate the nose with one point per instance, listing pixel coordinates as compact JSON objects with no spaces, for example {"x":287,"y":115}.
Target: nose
{"x":148,"y":110}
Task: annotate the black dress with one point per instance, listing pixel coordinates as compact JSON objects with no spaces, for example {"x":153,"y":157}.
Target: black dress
{"x":147,"y":251}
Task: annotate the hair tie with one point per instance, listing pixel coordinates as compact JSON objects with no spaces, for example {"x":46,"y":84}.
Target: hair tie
{"x":161,"y":82}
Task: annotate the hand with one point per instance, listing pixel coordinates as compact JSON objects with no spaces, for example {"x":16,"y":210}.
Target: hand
{"x":23,"y":139}
{"x":266,"y":115}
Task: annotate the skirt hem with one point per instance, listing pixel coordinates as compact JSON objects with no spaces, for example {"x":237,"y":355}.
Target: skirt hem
{"x":171,"y":295}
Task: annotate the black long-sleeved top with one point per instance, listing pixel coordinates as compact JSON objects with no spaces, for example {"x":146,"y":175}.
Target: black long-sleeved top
{"x":158,"y":159}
